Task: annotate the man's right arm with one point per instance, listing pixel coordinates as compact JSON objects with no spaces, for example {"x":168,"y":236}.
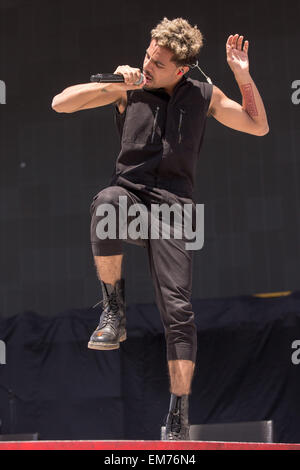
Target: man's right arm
{"x":86,"y":95}
{"x":92,"y":95}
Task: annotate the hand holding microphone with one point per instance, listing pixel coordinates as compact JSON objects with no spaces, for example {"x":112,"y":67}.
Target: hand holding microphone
{"x":131,"y":78}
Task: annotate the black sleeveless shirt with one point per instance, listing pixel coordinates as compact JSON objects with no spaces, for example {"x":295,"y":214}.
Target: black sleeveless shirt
{"x":161,"y":136}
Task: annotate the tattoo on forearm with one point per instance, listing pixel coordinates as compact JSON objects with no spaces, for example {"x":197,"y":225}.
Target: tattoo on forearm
{"x":248,"y":96}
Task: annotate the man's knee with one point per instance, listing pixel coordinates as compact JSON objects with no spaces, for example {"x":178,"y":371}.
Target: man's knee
{"x":109,"y":195}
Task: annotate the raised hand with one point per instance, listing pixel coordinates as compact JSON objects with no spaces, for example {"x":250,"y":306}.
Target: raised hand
{"x":237,"y":56}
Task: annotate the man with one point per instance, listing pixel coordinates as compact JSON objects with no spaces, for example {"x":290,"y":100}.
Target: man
{"x":161,"y":124}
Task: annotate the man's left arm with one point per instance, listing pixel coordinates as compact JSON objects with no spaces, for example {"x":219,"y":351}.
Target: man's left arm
{"x":250,"y":117}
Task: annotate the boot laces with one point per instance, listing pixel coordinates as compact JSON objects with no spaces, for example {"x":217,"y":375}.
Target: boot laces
{"x":110,"y":309}
{"x":175,"y":424}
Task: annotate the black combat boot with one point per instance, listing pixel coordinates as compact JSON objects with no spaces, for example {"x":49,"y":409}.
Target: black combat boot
{"x":177,"y":423}
{"x":112,"y":326}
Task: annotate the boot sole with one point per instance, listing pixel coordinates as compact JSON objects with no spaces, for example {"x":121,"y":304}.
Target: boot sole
{"x":106,"y":346}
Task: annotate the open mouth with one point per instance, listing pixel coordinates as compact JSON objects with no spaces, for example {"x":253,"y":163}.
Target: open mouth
{"x":148,"y":78}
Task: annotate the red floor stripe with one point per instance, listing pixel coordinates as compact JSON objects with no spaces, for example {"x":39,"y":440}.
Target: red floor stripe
{"x":142,"y":445}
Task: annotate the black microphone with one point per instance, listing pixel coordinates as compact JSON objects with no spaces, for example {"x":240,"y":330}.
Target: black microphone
{"x":112,"y":78}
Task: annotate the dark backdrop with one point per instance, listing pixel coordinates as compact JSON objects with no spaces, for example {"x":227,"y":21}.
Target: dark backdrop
{"x":53,"y":164}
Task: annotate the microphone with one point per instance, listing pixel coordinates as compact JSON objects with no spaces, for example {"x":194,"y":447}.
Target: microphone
{"x":112,"y":78}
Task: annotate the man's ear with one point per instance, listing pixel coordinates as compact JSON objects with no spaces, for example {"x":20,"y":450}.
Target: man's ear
{"x":183,"y":70}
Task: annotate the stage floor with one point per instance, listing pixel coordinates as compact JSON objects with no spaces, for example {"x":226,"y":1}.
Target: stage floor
{"x":141,"y":445}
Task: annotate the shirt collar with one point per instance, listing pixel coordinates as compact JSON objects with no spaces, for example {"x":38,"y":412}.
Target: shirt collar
{"x":163,"y":94}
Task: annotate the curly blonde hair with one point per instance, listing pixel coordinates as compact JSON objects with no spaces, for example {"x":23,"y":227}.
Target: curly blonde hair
{"x":180,"y":38}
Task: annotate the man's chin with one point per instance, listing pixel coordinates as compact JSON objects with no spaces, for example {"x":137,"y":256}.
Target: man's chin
{"x":148,"y":86}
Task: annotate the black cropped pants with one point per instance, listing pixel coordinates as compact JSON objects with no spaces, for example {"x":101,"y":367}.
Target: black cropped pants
{"x":169,"y":261}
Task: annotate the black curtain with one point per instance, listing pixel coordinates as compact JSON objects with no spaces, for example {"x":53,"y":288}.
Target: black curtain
{"x":54,"y":385}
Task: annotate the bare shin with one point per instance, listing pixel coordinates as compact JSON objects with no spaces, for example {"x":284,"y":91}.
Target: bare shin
{"x":181,"y":375}
{"x":109,"y":268}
